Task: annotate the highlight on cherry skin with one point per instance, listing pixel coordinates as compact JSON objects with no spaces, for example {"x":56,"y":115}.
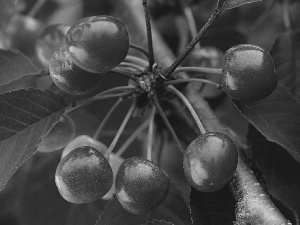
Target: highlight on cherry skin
{"x":59,"y":136}
{"x":210,"y":161}
{"x":248,"y":73}
{"x":98,"y":43}
{"x":49,"y":41}
{"x":84,"y":175}
{"x":68,"y":76}
{"x":141,"y":186}
{"x":114,"y":160}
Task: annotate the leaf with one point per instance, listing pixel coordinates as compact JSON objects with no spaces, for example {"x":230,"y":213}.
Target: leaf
{"x":40,"y":202}
{"x":212,"y":208}
{"x":114,"y":214}
{"x":278,"y":169}
{"x":25,"y":115}
{"x":229,"y":4}
{"x":277,"y":118}
{"x":14,"y":66}
{"x":158,"y":222}
{"x":173,"y":209}
{"x":286,"y":56}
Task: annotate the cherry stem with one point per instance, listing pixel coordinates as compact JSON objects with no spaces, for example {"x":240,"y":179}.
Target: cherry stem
{"x":140,"y":49}
{"x":110,"y":93}
{"x":123,"y":71}
{"x":36,"y":7}
{"x":189,"y":106}
{"x":286,"y":15}
{"x":131,"y":65}
{"x":191,"y":45}
{"x":188,"y":80}
{"x":107,"y":116}
{"x":167,"y":123}
{"x":188,"y":13}
{"x":132,"y":137}
{"x":121,"y":129}
{"x":150,"y":134}
{"x":136,"y":60}
{"x":199,"y":70}
{"x":149,"y":34}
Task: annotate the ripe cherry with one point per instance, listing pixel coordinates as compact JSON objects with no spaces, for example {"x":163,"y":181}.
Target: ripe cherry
{"x":248,"y":73}
{"x":141,"y":186}
{"x":83,"y":175}
{"x":84,"y":140}
{"x":210,"y":161}
{"x":59,"y":136}
{"x":49,"y":41}
{"x":68,"y":76}
{"x":98,"y":43}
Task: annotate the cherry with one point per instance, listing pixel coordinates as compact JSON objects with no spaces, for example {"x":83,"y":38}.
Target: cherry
{"x":98,"y":43}
{"x":84,"y":140}
{"x":248,"y":73}
{"x":49,"y":41}
{"x":114,"y":160}
{"x":59,"y":136}
{"x":68,"y":76}
{"x":210,"y":161}
{"x":22,"y":33}
{"x":141,"y":186}
{"x":83,"y":175}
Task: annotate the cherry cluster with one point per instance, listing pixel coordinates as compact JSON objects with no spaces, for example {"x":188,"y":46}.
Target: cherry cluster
{"x":88,"y":170}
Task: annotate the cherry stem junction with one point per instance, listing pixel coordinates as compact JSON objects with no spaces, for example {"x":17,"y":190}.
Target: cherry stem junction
{"x":189,"y":106}
{"x":121,"y":129}
{"x":188,"y":13}
{"x":149,"y":34}
{"x":107,"y":116}
{"x":140,"y":49}
{"x":150,"y":134}
{"x":167,"y":123}
{"x":191,"y":45}
{"x":132,"y":137}
{"x":188,"y":80}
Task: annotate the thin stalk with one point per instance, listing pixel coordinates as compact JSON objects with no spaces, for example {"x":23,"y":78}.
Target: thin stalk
{"x":286,"y":15}
{"x":131,"y":65}
{"x":189,"y":106}
{"x":115,"y":90}
{"x":36,"y":7}
{"x":140,"y":49}
{"x":149,"y":35}
{"x":123,"y":71}
{"x":188,"y":13}
{"x":136,"y":60}
{"x":107,"y":116}
{"x":85,"y":103}
{"x":198,"y":70}
{"x":188,"y":80}
{"x":132,"y":137}
{"x":191,"y":45}
{"x":183,"y":33}
{"x":150,"y":135}
{"x":121,"y":129}
{"x":167,"y":123}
